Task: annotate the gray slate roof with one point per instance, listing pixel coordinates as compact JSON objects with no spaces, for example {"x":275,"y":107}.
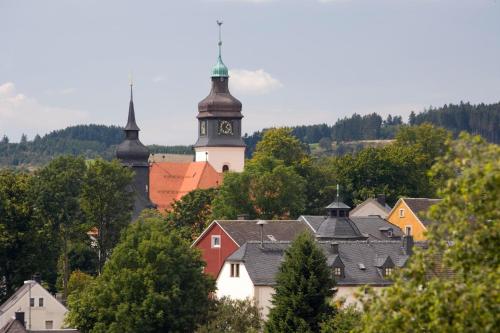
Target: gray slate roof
{"x":420,"y":206}
{"x":246,"y":230}
{"x":15,"y":326}
{"x":262,"y":263}
{"x":338,"y":228}
{"x":368,"y":226}
{"x":337,"y":205}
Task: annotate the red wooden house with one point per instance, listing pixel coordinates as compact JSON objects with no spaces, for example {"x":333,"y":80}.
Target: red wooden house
{"x":222,"y":237}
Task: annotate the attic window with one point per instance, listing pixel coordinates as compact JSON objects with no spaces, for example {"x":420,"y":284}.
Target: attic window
{"x":361,"y":266}
{"x":32,"y":302}
{"x":337,"y":271}
{"x":215,"y":241}
{"x":388,"y":271}
{"x":40,"y":302}
{"x":390,"y":232}
{"x":271,"y":238}
{"x":235,"y":270}
{"x":225,"y":168}
{"x":401,"y":213}
{"x":408,"y":230}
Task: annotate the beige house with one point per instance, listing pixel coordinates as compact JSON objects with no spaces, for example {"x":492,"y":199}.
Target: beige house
{"x":42,"y":311}
{"x":370,"y":207}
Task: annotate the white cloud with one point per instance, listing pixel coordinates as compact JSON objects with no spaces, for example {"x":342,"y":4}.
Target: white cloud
{"x":22,"y":114}
{"x":252,"y":82}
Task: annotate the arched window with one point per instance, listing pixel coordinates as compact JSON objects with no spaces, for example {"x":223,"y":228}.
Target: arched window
{"x":225,"y":168}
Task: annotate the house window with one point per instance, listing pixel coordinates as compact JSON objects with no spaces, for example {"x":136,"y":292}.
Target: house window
{"x":390,"y":233}
{"x":40,"y":302}
{"x":32,"y":302}
{"x":235,"y":270}
{"x":215,"y":241}
{"x":49,"y":324}
{"x":388,"y":271}
{"x":401,"y":213}
{"x":408,"y":230}
{"x":225,"y":168}
{"x":337,"y":271}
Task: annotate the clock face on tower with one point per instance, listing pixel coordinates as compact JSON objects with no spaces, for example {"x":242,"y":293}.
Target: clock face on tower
{"x":225,"y":127}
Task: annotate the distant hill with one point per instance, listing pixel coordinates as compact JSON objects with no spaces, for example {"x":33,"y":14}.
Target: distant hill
{"x":482,"y":119}
{"x":91,"y":141}
{"x":347,"y":135}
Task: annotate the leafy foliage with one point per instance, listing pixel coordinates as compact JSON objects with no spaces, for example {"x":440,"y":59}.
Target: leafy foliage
{"x":153,"y":282}
{"x":193,"y":212}
{"x":107,"y":203}
{"x":345,"y":321}
{"x":303,"y":287}
{"x":233,"y":316}
{"x":453,"y":286}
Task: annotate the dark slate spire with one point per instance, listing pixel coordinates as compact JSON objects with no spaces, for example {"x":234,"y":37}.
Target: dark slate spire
{"x":131,"y":151}
{"x":131,"y":124}
{"x":133,"y":154}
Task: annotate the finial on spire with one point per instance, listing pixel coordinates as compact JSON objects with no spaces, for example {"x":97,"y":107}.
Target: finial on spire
{"x":219,"y":23}
{"x":131,"y":83}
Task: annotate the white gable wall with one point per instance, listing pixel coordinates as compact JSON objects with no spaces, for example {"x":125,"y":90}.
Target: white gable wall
{"x":369,"y":208}
{"x":51,"y":310}
{"x":234,"y":287}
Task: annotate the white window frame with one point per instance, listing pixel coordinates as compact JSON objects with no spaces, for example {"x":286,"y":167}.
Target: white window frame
{"x":408,"y":227}
{"x":337,"y":270}
{"x":401,"y":212}
{"x":388,"y":271}
{"x":215,"y":244}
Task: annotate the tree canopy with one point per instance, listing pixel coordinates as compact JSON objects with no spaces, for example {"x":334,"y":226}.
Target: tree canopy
{"x":153,"y":282}
{"x":303,"y":289}
{"x":453,"y":286}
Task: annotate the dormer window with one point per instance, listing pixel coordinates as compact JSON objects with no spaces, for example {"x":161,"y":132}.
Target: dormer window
{"x":342,"y":213}
{"x":337,"y":272}
{"x":388,"y":271}
{"x":390,"y":233}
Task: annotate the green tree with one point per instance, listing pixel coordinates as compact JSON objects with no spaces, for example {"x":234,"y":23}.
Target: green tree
{"x":280,"y":144}
{"x":233,"y":316}
{"x":454,"y":285}
{"x":193,"y":211}
{"x":303,"y":289}
{"x":153,"y":282}
{"x":430,"y":140}
{"x":57,"y":189}
{"x":20,"y":255}
{"x":107,"y":203}
{"x":345,"y":321}
{"x":78,"y":281}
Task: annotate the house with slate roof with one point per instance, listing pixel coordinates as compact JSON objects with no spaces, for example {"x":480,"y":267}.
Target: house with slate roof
{"x":223,"y":237}
{"x":410,"y":214}
{"x":250,"y":272}
{"x":33,"y":307}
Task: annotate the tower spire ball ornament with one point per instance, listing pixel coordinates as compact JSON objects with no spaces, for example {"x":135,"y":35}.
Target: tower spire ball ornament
{"x":220,"y":70}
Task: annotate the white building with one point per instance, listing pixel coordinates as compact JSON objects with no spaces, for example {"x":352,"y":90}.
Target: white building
{"x":250,"y":272}
{"x":42,"y":311}
{"x":371,"y":207}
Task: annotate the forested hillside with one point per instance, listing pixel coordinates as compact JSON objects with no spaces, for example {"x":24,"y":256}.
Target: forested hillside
{"x":482,"y":119}
{"x":347,"y":135}
{"x":90,"y":141}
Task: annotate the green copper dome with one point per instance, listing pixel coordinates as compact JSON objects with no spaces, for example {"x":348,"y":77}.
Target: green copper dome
{"x":220,"y":70}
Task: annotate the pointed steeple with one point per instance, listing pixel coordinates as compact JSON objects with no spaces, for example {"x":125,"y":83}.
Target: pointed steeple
{"x":220,"y":70}
{"x":131,"y":124}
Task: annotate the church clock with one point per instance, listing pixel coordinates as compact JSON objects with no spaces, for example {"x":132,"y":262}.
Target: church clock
{"x":225,"y":127}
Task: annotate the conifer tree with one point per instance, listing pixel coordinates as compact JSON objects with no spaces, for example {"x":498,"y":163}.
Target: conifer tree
{"x":304,"y":286}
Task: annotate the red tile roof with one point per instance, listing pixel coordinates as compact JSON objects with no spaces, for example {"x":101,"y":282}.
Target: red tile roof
{"x":170,"y":181}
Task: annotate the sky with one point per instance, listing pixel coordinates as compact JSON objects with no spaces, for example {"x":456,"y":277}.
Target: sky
{"x":292,"y":62}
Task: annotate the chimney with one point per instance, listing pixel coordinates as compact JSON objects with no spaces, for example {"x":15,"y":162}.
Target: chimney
{"x":381,"y":199}
{"x":408,"y":244}
{"x":243,"y":217}
{"x":37,"y":278}
{"x":335,"y":247}
{"x":261,"y":224}
{"x":20,"y":317}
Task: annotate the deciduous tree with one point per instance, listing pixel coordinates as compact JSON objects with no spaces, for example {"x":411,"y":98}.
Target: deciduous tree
{"x":153,"y":282}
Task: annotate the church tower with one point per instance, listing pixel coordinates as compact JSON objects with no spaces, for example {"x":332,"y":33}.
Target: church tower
{"x":219,"y":123}
{"x":133,"y":154}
